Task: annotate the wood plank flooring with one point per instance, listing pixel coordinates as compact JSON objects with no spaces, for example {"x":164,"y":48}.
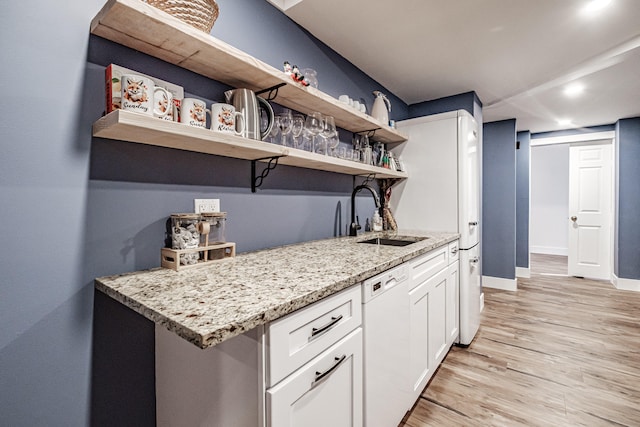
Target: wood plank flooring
{"x":560,"y":351}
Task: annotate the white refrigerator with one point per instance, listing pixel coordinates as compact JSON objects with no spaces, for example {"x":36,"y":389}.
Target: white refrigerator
{"x":442,"y":194}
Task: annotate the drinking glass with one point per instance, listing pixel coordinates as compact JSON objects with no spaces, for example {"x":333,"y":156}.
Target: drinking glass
{"x":297,"y":126}
{"x":330,"y":134}
{"x":313,"y":126}
{"x":273,"y":135}
{"x":284,"y":124}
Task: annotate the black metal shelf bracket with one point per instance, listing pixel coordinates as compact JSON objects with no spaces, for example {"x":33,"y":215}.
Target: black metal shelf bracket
{"x":273,"y":91}
{"x":256,"y":180}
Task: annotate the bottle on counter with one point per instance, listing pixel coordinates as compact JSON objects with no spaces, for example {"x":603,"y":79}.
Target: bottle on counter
{"x":377,"y":221}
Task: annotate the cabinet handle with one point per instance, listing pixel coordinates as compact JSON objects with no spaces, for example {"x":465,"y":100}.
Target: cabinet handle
{"x":316,"y":332}
{"x":474,"y":260}
{"x":454,"y":251}
{"x":473,"y":223}
{"x":320,"y":376}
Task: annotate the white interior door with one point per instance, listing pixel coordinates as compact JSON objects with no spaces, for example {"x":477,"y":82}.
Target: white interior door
{"x":590,"y":193}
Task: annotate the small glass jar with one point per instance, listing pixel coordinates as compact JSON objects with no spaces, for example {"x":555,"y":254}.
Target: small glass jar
{"x":185,"y":234}
{"x":213,"y":228}
{"x":311,"y":76}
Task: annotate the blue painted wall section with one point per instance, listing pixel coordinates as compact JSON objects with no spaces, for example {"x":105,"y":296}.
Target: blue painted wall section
{"x":464,"y":101}
{"x":523,"y":153}
{"x":75,"y":207}
{"x":627,"y":256}
{"x":499,"y":199}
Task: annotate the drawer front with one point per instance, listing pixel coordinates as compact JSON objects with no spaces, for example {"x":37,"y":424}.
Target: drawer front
{"x":300,"y":336}
{"x":428,"y":264}
{"x":454,"y":249}
{"x":326,"y":392}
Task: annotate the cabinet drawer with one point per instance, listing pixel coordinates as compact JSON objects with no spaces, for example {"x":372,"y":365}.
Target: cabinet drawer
{"x":428,"y":264}
{"x":454,"y":249}
{"x":327,"y":391}
{"x":300,"y":336}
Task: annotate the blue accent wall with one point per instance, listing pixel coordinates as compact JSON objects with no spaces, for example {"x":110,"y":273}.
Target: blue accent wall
{"x":523,"y":152}
{"x":499,"y":199}
{"x":627,"y":238}
{"x":575,"y":131}
{"x":464,"y":101}
{"x":74,"y":207}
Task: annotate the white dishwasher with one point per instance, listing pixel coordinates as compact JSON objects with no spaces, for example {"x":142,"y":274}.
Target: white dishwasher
{"x":385,"y":311}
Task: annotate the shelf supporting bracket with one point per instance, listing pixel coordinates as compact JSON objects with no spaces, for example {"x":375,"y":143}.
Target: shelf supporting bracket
{"x":256,"y":180}
{"x":273,"y":91}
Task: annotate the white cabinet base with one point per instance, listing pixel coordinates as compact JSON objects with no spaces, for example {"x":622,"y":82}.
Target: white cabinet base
{"x":327,"y":391}
{"x":219,"y":386}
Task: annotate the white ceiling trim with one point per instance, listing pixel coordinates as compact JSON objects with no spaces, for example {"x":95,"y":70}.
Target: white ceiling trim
{"x":583,"y":137}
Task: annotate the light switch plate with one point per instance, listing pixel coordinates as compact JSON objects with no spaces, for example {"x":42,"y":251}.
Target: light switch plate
{"x":206,"y":205}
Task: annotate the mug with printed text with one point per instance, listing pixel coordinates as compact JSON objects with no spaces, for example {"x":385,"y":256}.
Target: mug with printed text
{"x":193,"y":112}
{"x":225,"y":118}
{"x":139,"y":93}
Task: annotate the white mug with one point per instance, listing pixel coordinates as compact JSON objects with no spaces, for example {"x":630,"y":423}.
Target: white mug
{"x":225,"y":118}
{"x":356,"y":105}
{"x":345,"y":99}
{"x":163,"y":105}
{"x":193,"y":112}
{"x":138,"y":94}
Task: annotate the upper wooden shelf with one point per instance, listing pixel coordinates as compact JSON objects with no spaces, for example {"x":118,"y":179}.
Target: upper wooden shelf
{"x":147,"y":29}
{"x":135,"y":127}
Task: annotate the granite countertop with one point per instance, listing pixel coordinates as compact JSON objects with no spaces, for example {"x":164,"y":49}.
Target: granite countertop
{"x":212,"y":303}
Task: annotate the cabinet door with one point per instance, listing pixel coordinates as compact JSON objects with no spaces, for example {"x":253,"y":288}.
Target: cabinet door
{"x":453,"y":306}
{"x":327,"y":391}
{"x":425,"y":334}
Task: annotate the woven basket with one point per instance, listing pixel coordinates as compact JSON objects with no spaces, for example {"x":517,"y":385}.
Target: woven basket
{"x":200,"y":14}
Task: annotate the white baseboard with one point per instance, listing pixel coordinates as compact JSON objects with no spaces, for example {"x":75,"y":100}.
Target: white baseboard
{"x":625,"y":284}
{"x":549,"y":250}
{"x":500,"y":283}
{"x":523,"y":272}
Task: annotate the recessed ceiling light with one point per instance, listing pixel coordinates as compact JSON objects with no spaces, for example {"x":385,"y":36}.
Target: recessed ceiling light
{"x":564,"y":122}
{"x":573,"y":89}
{"x":595,"y":5}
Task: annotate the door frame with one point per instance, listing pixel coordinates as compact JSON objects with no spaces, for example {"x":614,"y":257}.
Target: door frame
{"x":585,"y":138}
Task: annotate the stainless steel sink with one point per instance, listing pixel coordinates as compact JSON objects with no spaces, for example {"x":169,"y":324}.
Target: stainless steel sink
{"x":395,"y":241}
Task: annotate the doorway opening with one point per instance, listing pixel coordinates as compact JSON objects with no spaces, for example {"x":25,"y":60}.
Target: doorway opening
{"x":562,"y":239}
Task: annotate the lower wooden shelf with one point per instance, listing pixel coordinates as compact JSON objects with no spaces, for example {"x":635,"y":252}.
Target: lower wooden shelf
{"x":142,"y":129}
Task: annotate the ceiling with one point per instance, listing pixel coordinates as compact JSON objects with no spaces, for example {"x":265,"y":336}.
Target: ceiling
{"x":517,"y":55}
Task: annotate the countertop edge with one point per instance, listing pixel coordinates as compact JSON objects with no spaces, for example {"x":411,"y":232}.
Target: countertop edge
{"x":230,"y":330}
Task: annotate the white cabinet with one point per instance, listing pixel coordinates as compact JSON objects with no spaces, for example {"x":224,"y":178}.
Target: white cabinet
{"x":325,"y":392}
{"x":452,"y":303}
{"x":314,"y":364}
{"x":427,"y":335}
{"x":433,"y":302}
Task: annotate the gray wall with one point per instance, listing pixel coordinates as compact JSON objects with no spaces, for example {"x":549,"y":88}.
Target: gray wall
{"x":499,"y":199}
{"x":522,"y":198}
{"x":627,"y":237}
{"x":464,"y":101}
{"x":75,"y":207}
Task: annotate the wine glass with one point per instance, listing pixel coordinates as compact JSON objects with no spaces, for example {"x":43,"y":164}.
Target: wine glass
{"x":297,"y":126}
{"x":273,"y":134}
{"x":330,"y":134}
{"x":313,"y":126}
{"x":285,"y":120}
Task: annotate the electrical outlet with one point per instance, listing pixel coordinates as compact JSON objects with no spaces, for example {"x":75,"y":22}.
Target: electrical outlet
{"x":206,"y":205}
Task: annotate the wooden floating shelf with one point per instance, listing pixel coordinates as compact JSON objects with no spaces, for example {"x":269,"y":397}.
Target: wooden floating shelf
{"x":140,"y":128}
{"x":142,"y":27}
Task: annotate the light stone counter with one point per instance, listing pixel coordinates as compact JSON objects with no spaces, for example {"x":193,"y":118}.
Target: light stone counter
{"x":212,"y":303}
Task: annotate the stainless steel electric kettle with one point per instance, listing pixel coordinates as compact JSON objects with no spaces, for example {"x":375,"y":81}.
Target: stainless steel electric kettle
{"x":249,"y":104}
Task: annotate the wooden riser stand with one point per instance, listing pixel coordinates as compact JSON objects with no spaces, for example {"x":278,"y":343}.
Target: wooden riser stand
{"x":208,"y":254}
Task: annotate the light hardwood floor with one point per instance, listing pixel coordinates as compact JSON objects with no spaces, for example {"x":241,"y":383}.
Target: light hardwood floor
{"x":560,"y":351}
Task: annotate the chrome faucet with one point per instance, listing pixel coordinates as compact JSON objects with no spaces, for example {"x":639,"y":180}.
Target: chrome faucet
{"x":354,"y":227}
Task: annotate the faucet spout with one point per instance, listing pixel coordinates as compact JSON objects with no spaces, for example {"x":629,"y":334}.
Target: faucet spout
{"x":354,"y":226}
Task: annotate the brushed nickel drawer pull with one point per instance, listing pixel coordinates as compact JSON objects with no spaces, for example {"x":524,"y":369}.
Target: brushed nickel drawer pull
{"x":316,"y":332}
{"x":323,"y":375}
